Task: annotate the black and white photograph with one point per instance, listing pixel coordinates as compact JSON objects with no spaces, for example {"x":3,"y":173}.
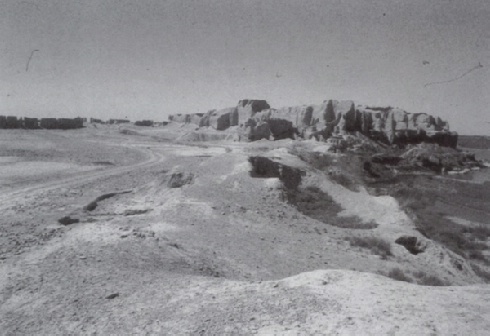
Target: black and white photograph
{"x":244,"y":167}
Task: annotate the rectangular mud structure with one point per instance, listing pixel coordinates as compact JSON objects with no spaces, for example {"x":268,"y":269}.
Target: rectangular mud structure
{"x":11,"y":122}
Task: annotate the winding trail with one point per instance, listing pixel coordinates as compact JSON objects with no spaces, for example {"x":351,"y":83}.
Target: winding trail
{"x":153,"y":158}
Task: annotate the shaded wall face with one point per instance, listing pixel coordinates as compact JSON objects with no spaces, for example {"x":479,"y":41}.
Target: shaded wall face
{"x":3,"y":122}
{"x":62,"y":123}
{"x":195,"y":119}
{"x":263,"y":167}
{"x":12,"y":122}
{"x":220,"y":120}
{"x":49,"y":123}
{"x":31,"y":123}
{"x":445,"y":139}
{"x":246,"y":109}
{"x":144,"y":123}
{"x":65,"y":124}
{"x":234,"y":117}
{"x":281,"y":129}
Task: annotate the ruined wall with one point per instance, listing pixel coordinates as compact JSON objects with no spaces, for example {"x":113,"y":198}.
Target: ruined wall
{"x":385,"y":124}
{"x":114,"y":121}
{"x":254,"y":130}
{"x":389,"y":125}
{"x":220,"y":120}
{"x":143,"y":123}
{"x":178,"y":117}
{"x":246,"y":109}
{"x":13,"y":122}
{"x":45,"y":123}
{"x":223,"y":118}
{"x":35,"y":123}
{"x":49,"y":123}
{"x":195,"y":118}
{"x":67,"y":123}
{"x":31,"y":123}
{"x":61,"y":123}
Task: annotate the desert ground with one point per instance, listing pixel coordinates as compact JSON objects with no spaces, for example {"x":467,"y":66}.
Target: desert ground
{"x":124,"y":230}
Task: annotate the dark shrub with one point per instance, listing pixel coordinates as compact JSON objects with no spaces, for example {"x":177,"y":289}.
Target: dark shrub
{"x":480,"y":232}
{"x":67,"y":220}
{"x":428,"y":280}
{"x":397,"y":274}
{"x":376,"y":245}
{"x":476,"y":255}
{"x":481,"y":273}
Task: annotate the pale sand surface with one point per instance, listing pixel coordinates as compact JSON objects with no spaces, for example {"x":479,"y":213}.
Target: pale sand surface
{"x":224,"y":254}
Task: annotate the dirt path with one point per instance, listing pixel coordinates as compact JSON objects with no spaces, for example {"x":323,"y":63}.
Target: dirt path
{"x":153,"y":157}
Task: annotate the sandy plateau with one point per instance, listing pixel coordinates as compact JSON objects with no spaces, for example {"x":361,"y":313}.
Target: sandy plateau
{"x":111,"y":231}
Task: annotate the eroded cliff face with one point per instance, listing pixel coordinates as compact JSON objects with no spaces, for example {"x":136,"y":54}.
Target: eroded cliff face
{"x":256,"y":120}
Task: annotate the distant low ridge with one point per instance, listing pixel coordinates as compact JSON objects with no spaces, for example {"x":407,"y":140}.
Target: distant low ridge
{"x":255,"y":119}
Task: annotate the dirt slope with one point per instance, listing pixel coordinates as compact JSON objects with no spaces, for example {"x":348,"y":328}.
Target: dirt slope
{"x":222,"y":253}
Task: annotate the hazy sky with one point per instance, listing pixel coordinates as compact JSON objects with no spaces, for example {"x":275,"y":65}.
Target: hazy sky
{"x":147,"y":59}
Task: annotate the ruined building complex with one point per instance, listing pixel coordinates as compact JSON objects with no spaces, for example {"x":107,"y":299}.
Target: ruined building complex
{"x":35,"y":123}
{"x":255,"y":120}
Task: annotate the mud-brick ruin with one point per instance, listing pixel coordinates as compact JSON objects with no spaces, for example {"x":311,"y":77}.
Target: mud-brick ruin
{"x":11,"y":122}
{"x":255,"y":119}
